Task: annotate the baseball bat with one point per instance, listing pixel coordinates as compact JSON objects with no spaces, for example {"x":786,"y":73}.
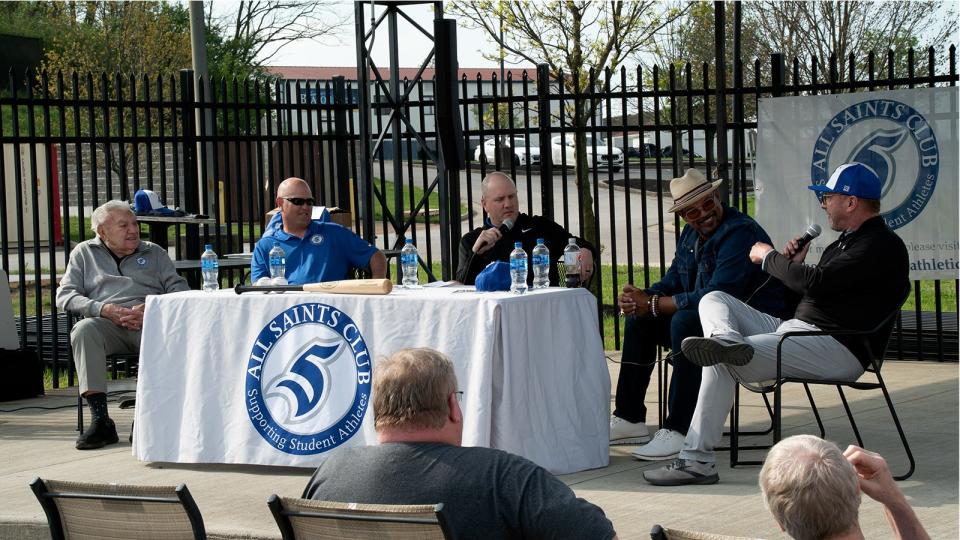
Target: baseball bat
{"x":346,"y":286}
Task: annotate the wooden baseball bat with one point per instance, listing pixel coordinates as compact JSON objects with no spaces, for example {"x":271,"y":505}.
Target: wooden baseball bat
{"x":346,"y":286}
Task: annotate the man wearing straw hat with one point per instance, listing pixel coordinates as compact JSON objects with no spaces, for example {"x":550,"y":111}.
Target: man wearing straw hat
{"x":712,"y":255}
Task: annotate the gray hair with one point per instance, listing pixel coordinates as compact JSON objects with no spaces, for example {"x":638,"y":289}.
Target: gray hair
{"x":100,"y":214}
{"x":810,"y":488}
{"x":411,"y":389}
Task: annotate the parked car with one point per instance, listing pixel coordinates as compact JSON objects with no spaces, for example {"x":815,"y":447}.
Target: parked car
{"x":650,"y":150}
{"x":631,"y":152}
{"x":486,"y":152}
{"x":563,"y":152}
{"x":668,"y":152}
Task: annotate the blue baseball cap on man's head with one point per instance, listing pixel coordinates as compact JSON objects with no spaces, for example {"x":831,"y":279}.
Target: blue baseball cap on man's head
{"x":852,"y":179}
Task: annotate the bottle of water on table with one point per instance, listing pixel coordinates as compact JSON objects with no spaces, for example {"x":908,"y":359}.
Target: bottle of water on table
{"x":541,"y":265}
{"x":409,"y":265}
{"x":278,"y":265}
{"x":571,"y":263}
{"x":210,"y":269}
{"x":518,"y":269}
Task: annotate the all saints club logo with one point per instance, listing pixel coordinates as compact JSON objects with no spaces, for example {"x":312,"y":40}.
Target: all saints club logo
{"x":308,"y":380}
{"x":892,"y":139}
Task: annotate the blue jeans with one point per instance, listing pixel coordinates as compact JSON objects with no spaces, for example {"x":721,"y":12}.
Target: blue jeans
{"x":641,"y":336}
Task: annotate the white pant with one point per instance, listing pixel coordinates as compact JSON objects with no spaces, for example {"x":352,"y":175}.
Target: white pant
{"x":811,"y":357}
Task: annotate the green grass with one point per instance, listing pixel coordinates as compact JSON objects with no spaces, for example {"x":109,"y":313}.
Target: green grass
{"x":389,"y":194}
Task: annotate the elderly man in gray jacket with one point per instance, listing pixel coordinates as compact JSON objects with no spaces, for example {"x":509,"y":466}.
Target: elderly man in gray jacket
{"x":106,"y":282}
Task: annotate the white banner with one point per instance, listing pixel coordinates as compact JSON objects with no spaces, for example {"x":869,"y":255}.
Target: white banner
{"x":908,"y":137}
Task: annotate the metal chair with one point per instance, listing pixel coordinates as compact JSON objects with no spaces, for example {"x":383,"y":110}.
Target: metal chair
{"x":305,"y":518}
{"x":885,"y":327}
{"x":78,"y":510}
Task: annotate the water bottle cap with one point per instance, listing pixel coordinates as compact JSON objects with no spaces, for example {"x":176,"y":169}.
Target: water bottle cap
{"x":572,"y":241}
{"x":539,"y":240}
{"x":208,"y":247}
{"x":517,"y":245}
{"x":409,"y":241}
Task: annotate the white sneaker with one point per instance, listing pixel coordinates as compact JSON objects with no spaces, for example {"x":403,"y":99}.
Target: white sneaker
{"x":666,"y":444}
{"x":623,"y":432}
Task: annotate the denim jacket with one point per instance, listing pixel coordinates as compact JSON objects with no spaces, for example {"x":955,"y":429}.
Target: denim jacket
{"x":722,"y":263}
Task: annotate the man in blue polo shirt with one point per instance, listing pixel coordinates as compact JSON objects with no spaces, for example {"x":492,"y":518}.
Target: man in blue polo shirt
{"x":315,"y":250}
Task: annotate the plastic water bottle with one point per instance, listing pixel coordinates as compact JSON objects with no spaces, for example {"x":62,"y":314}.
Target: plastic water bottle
{"x":571,"y":262}
{"x":541,"y":265}
{"x":278,"y":265}
{"x":210,"y":268}
{"x":409,"y":265}
{"x":518,"y":269}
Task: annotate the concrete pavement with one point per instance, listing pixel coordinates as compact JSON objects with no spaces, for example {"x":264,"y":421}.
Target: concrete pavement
{"x":39,"y":442}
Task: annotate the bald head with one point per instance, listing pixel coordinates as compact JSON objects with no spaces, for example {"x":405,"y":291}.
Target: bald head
{"x":294,"y":187}
{"x":296,"y":217}
{"x":496,"y":178}
{"x":498,"y":196}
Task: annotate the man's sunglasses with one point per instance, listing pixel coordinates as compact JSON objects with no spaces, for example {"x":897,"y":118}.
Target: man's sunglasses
{"x":691,"y":214}
{"x":298,"y":201}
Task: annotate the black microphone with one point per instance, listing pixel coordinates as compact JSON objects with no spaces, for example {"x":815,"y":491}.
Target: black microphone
{"x":508,"y":224}
{"x":812,"y":232}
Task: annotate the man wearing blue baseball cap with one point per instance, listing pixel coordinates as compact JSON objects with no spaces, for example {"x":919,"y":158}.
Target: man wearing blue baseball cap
{"x":856,"y":284}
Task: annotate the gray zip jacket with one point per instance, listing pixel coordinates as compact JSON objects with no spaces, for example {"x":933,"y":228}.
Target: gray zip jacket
{"x":94,"y":278}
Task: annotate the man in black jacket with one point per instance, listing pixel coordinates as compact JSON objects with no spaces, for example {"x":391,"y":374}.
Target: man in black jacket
{"x":494,"y":242}
{"x":857,"y":283}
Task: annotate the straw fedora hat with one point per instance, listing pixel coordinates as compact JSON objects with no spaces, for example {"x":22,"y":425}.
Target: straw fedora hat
{"x":689,"y":189}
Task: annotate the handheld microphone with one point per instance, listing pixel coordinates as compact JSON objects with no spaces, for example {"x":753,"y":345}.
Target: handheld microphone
{"x":812,"y":232}
{"x":508,"y":224}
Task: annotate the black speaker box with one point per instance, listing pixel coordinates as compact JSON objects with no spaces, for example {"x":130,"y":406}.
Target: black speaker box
{"x":22,"y":374}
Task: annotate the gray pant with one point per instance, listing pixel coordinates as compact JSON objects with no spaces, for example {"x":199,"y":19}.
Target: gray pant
{"x":811,"y":357}
{"x":92,"y":340}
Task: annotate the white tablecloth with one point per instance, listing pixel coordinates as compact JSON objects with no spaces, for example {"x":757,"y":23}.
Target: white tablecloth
{"x":531,"y":368}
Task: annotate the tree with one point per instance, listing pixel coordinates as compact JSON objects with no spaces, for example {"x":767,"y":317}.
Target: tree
{"x":240,"y":42}
{"x":571,"y":37}
{"x":816,"y":30}
{"x":691,"y":39}
{"x":116,"y":44}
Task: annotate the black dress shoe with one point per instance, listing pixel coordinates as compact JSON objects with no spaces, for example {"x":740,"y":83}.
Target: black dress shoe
{"x":98,"y":434}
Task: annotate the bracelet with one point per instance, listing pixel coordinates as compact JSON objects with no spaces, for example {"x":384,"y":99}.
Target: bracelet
{"x":653,"y":304}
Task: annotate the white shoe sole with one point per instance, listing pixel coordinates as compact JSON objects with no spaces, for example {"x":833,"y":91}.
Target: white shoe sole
{"x":707,"y":352}
{"x":648,"y":457}
{"x":626,"y":441}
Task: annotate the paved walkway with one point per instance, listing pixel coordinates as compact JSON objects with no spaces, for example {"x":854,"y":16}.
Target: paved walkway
{"x":233,"y":498}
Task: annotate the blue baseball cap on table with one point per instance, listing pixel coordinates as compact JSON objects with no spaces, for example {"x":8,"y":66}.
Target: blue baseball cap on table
{"x":852,"y":179}
{"x":495,"y":277}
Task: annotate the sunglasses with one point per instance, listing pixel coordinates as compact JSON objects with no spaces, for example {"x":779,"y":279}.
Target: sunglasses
{"x":691,"y":214}
{"x":298,"y":201}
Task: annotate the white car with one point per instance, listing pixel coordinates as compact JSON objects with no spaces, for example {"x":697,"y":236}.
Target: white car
{"x":564,"y":152}
{"x":486,"y":152}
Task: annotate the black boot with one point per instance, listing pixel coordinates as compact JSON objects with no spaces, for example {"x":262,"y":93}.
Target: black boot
{"x":100,"y":433}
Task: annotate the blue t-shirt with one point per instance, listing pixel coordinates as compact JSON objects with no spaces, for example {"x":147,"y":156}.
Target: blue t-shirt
{"x":325,"y":253}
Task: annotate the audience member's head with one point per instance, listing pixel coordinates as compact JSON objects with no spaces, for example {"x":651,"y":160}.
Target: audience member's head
{"x":810,"y":488}
{"x":116,"y":225}
{"x":415,"y":397}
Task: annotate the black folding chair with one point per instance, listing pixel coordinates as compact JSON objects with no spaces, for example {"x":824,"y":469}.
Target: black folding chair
{"x":885,"y":327}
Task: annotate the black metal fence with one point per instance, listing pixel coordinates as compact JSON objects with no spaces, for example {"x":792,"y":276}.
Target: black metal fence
{"x":72,"y":142}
